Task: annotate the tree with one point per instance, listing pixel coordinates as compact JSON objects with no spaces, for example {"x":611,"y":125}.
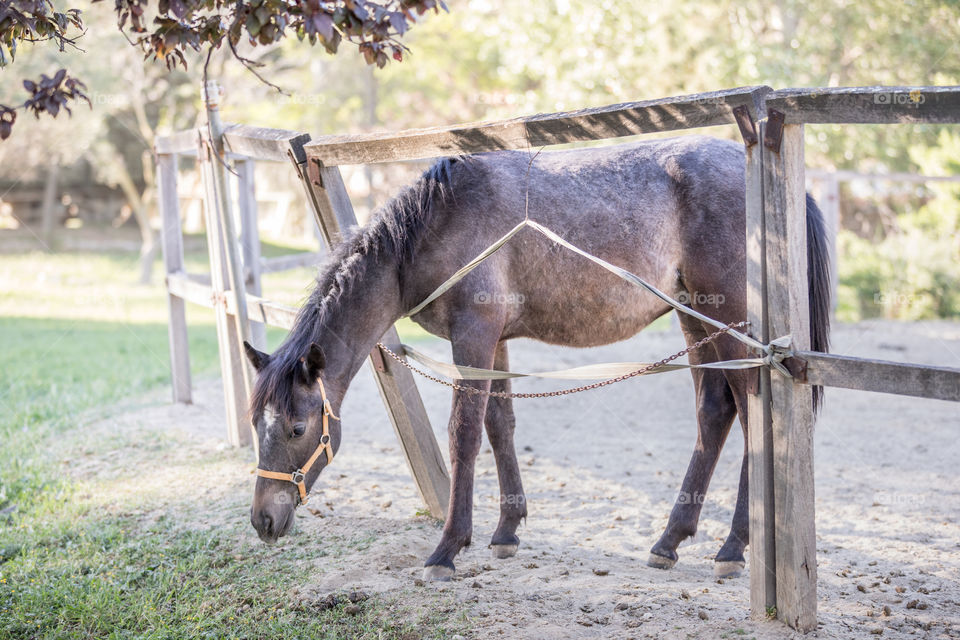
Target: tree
{"x":38,"y":21}
{"x":168,"y":30}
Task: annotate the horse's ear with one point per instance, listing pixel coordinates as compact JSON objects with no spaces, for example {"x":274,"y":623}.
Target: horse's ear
{"x":314,"y":362}
{"x":258,"y":359}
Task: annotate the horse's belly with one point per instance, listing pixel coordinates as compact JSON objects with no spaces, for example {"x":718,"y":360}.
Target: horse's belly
{"x":587,"y":321}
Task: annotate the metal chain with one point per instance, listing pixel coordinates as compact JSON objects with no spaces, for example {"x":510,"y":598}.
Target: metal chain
{"x":563,"y":392}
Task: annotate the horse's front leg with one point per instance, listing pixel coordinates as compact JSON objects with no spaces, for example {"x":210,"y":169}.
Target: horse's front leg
{"x":465,"y":430}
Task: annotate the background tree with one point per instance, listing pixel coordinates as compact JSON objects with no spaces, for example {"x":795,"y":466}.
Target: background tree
{"x":169,"y":30}
{"x":141,"y":96}
{"x":490,"y":59}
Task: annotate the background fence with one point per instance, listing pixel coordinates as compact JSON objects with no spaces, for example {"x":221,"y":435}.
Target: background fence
{"x":780,"y":431}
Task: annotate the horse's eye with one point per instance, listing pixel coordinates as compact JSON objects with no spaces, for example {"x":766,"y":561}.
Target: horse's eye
{"x":299,"y":429}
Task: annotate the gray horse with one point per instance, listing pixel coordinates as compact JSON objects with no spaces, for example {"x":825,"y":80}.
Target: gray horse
{"x":670,"y":211}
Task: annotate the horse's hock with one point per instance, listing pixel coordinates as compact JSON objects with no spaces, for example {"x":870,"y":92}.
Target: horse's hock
{"x":771,"y":124}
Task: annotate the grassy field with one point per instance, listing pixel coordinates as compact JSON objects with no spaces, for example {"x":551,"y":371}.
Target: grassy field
{"x":78,"y":558}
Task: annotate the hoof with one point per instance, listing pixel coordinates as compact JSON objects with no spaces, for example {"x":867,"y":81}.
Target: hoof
{"x":728,"y":568}
{"x":438,"y":573}
{"x":501,"y":551}
{"x":660,"y":562}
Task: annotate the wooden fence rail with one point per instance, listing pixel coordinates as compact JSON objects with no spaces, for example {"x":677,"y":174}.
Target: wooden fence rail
{"x":615,"y":121}
{"x":771,"y":123}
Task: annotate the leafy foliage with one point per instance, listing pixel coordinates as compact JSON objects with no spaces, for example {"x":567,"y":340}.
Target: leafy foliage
{"x":33,"y":21}
{"x":38,"y":21}
{"x":52,"y":94}
{"x":179,"y":25}
{"x":911,"y":272}
{"x":168,"y":29}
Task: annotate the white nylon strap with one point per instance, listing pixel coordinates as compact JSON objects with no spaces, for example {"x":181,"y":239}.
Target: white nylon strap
{"x":587,"y":372}
{"x":774,"y":352}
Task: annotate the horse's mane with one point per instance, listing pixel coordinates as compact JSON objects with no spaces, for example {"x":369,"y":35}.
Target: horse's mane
{"x":392,"y":233}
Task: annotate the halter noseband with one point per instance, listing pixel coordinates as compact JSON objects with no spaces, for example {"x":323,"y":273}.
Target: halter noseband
{"x":298,"y":477}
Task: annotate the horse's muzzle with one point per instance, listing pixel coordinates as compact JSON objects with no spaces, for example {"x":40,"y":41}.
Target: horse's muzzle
{"x":272,"y":524}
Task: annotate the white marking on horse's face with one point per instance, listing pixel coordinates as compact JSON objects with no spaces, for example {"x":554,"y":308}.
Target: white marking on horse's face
{"x":270,"y":423}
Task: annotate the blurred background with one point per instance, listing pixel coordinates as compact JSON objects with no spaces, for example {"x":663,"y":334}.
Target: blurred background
{"x":86,"y":183}
{"x":92,"y":539}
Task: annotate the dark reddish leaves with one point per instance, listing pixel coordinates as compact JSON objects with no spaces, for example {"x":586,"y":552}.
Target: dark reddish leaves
{"x":34,"y":21}
{"x":38,"y":21}
{"x":176,"y":26}
{"x":49,"y":95}
{"x":7,"y":117}
{"x":167,"y":29}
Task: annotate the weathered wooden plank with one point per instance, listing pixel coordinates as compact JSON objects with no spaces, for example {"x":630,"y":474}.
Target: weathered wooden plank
{"x":882,"y":376}
{"x":229,"y":338}
{"x":614,"y":121}
{"x":763,"y":575}
{"x":868,"y":105}
{"x":259,"y":143}
{"x":171,"y":241}
{"x":250,"y":241}
{"x":283,"y":263}
{"x":181,"y":285}
{"x":240,"y":430}
{"x":263,"y":310}
{"x":332,"y":208}
{"x":409,"y":418}
{"x":846,"y":175}
{"x":791,"y":410}
{"x":181,"y":142}
{"x":256,"y":143}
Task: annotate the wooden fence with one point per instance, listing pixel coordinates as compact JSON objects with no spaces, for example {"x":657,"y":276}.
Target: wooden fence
{"x":783,"y":545}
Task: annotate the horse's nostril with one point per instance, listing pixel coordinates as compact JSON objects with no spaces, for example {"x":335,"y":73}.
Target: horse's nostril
{"x":266,"y":524}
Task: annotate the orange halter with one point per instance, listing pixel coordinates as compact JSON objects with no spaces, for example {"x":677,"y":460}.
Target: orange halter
{"x":298,"y":476}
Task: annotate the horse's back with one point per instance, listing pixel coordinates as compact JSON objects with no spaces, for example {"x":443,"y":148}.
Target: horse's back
{"x":634,"y":205}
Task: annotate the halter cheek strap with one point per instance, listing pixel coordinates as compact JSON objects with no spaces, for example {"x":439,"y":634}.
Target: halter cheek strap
{"x":298,"y":477}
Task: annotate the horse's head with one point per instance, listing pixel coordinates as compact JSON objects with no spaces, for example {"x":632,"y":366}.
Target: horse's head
{"x":297,"y":433}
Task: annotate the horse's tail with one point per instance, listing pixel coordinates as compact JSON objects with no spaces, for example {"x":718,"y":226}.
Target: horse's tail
{"x":819,"y":283}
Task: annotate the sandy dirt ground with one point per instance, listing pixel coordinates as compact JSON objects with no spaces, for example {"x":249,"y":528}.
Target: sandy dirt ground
{"x":601,"y":471}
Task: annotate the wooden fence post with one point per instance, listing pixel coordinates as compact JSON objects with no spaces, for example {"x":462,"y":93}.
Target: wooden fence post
{"x":50,"y":208}
{"x":171,"y":238}
{"x":332,"y":207}
{"x":250,"y":241}
{"x":226,"y":275}
{"x":763,"y":576}
{"x":791,"y":403}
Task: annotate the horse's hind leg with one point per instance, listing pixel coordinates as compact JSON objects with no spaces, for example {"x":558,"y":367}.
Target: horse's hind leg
{"x":500,"y":423}
{"x":716,"y":410}
{"x":730,"y":560}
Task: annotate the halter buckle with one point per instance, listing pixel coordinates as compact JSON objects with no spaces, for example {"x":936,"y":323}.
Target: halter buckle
{"x":297,"y":476}
{"x":328,"y":409}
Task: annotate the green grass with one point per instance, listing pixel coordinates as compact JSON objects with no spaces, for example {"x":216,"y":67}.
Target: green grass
{"x":84,"y":558}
